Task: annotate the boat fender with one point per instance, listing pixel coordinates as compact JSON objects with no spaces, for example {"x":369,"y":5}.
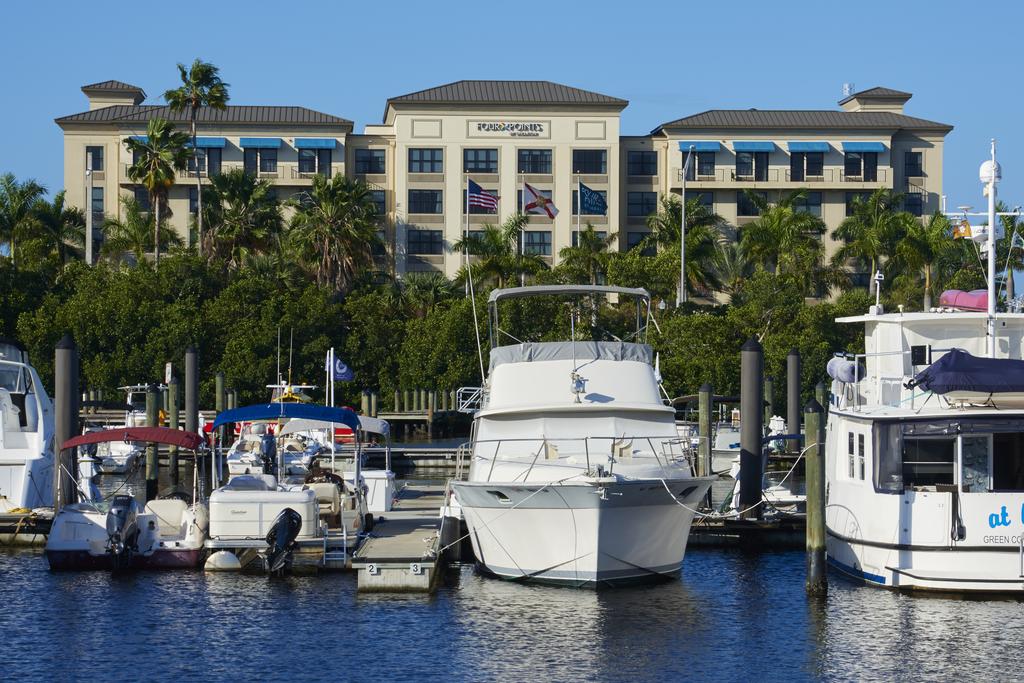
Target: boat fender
{"x":223,"y":561}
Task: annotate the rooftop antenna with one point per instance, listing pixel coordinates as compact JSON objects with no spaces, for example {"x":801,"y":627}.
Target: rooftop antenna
{"x":847,"y":89}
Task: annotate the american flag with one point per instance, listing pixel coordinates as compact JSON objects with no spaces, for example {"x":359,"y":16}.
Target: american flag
{"x":477,"y":196}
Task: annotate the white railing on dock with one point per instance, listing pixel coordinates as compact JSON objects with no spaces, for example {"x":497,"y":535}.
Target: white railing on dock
{"x":469,"y":399}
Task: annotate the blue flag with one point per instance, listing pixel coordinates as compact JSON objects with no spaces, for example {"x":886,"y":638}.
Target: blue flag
{"x":342,"y":372}
{"x":592,"y":203}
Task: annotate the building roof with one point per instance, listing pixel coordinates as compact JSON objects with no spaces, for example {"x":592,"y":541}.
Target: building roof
{"x":119,"y":86}
{"x":238,"y":114}
{"x":815,"y":119}
{"x":878,"y":92}
{"x":507,"y":92}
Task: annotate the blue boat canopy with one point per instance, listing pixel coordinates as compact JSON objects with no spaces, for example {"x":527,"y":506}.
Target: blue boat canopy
{"x":315,"y":143}
{"x":863,"y":147}
{"x":274,"y":411}
{"x":211,"y":142}
{"x":265,"y":143}
{"x":699,"y":145}
{"x":754,"y":146}
{"x":808,"y":146}
{"x":960,"y":371}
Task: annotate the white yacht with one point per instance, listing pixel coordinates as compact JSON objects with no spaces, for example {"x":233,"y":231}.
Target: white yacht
{"x":578,"y":475}
{"x":26,"y":433}
{"x":118,"y":457}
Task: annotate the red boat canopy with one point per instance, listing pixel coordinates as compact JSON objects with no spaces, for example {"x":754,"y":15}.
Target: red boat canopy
{"x":165,"y":435}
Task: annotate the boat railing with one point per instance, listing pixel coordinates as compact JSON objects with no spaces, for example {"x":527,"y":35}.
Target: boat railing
{"x":469,"y":399}
{"x":462,"y":454}
{"x":597,"y":451}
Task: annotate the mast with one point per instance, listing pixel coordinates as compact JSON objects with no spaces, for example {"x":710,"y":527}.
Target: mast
{"x":990,"y":175}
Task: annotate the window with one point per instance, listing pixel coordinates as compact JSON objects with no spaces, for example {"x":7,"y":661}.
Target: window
{"x":707,"y":199}
{"x":480,"y":160}
{"x":641,"y":203}
{"x":635,"y":239}
{"x":850,"y":455}
{"x":745,"y":206}
{"x":862,"y":165}
{"x":913,"y":203}
{"x":473,"y":209}
{"x":974,"y":457}
{"x":537,"y":242}
{"x":370,"y":161}
{"x":852,"y":197}
{"x":97,"y":207}
{"x":1008,"y":462}
{"x":425,"y":241}
{"x":425,"y":201}
{"x":268,"y":160}
{"x":535,"y":161}
{"x":197,"y":160}
{"x":803,"y":165}
{"x":811,"y":204}
{"x":307,"y":161}
{"x":860,"y":456}
{"x":380,"y":247}
{"x":576,"y":236}
{"x":315,"y":161}
{"x":642,"y":163}
{"x":928,"y":461}
{"x":589,"y":161}
{"x":705,"y":166}
{"x":426,"y":160}
{"x":262,"y":160}
{"x":379,"y":201}
{"x":912,"y":165}
{"x":576,"y":199}
{"x":752,"y":165}
{"x":193,"y":200}
{"x":213,"y":159}
{"x":815,"y":164}
{"x":141,"y":197}
{"x":97,"y":158}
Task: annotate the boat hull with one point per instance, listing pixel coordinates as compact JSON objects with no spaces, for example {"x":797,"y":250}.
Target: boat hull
{"x":584,"y":535}
{"x":83,"y":560}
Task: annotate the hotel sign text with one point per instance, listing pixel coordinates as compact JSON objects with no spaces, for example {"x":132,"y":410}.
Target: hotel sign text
{"x":509,"y":129}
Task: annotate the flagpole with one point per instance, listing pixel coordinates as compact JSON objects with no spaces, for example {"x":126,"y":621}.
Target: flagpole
{"x":465,"y":235}
{"x":579,"y":206}
{"x":522,"y":233}
{"x":681,"y":299}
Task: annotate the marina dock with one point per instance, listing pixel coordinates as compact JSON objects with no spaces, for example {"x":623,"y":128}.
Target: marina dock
{"x":401,"y":553}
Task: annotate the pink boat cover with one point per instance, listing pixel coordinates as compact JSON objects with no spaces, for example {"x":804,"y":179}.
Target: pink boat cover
{"x":974,"y":300}
{"x":164,"y":435}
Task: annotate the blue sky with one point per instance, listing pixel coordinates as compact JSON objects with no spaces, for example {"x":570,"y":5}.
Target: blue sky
{"x":667,"y":59}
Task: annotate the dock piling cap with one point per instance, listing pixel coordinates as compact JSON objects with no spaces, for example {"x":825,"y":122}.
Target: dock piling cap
{"x":813,"y":406}
{"x":752,"y":345}
{"x":66,"y":342}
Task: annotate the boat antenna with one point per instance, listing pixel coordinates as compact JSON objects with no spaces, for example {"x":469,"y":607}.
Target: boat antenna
{"x":278,"y":354}
{"x":291,"y":348}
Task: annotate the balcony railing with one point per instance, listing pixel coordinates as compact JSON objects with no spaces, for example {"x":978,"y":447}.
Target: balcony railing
{"x":779,"y":174}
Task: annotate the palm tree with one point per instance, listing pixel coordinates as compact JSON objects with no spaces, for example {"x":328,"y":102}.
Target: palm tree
{"x":703,"y":229}
{"x":732,"y":267}
{"x":422,"y":292}
{"x":922,"y":246}
{"x":243,"y":217}
{"x":156,"y":159}
{"x":589,"y":258}
{"x":62,"y":227}
{"x":873,"y":230}
{"x":496,"y":248}
{"x":1009,"y":255}
{"x":201,"y":86}
{"x":133,"y":233}
{"x":334,"y":230}
{"x":782,"y":233}
{"x":17,"y":215}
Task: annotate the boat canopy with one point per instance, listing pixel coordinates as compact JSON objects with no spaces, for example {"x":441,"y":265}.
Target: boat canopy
{"x":164,"y":435}
{"x":276,"y":411}
{"x":961,"y":371}
{"x":367,"y":424}
{"x":567,"y":350}
{"x":564,"y":290}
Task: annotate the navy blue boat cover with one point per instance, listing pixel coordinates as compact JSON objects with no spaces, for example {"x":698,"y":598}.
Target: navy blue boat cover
{"x":960,"y":371}
{"x":273,"y":411}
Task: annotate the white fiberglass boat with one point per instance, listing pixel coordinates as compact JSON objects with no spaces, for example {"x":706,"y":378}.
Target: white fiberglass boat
{"x":118,"y":457}
{"x":578,"y":475}
{"x":26,"y":433}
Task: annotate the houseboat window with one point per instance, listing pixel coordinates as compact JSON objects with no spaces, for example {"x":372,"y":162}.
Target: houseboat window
{"x":928,"y":461}
{"x":1008,"y":462}
{"x":850,"y":455}
{"x":860,"y":455}
{"x":886,"y":467}
{"x":974,"y":476}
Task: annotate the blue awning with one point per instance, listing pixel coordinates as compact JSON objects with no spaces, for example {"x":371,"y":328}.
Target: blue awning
{"x":267,"y":143}
{"x":699,"y":145}
{"x":211,"y":142}
{"x":274,"y":411}
{"x":753,"y":146}
{"x":315,"y":143}
{"x":863,"y":147}
{"x":808,"y":146}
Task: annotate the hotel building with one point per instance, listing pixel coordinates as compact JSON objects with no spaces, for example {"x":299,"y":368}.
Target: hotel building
{"x":552,"y":136}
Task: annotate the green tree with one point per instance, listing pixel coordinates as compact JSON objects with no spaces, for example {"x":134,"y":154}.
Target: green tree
{"x":334,"y":230}
{"x":424,"y":292}
{"x":201,"y":86}
{"x":732,"y":267}
{"x":496,"y":251}
{"x":132,"y":232}
{"x":17,"y":210}
{"x":61,"y":228}
{"x":243,"y":218}
{"x":157,"y":158}
{"x":922,"y":246}
{"x":588,"y":260}
{"x":873,"y":230}
{"x":703,"y":228}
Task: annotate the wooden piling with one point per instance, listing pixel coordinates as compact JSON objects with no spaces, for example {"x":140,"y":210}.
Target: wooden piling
{"x":821,"y":396}
{"x":191,"y":390}
{"x":814,"y":421}
{"x":152,"y":461}
{"x":220,"y":403}
{"x":374,"y":403}
{"x":364,"y":402}
{"x":405,"y":401}
{"x":751,"y":430}
{"x":769,"y":398}
{"x":793,"y":372}
{"x":704,"y":416}
{"x":65,"y":398}
{"x":172,"y":422}
{"x":398,"y":402}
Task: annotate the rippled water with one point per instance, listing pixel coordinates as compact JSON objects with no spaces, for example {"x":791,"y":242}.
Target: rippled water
{"x":732,"y":616}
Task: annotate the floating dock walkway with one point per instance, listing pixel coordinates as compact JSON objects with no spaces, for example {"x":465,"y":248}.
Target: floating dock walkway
{"x":401,"y":553}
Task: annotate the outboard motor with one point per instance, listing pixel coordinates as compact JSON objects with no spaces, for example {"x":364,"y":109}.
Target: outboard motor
{"x":122,"y":530}
{"x":268,"y":449}
{"x":281,"y":539}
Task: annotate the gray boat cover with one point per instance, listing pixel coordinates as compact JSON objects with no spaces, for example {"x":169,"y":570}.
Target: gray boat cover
{"x":566,"y":350}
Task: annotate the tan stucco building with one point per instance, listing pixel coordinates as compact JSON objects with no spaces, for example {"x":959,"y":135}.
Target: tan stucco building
{"x":503,"y":133}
